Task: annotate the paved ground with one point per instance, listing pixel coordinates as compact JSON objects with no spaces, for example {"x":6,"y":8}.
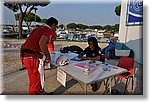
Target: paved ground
{"x":15,"y":81}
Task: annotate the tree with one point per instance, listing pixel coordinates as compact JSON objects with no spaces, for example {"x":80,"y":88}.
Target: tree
{"x":29,"y":19}
{"x":116,"y":27}
{"x":107,"y":27}
{"x":61,"y":26}
{"x":44,"y":20}
{"x":118,"y":10}
{"x":81,"y":26}
{"x":29,"y":5}
{"x":71,"y":26}
{"x":96,"y":27}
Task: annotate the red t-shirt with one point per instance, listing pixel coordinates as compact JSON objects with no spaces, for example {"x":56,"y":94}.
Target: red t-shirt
{"x":32,"y":42}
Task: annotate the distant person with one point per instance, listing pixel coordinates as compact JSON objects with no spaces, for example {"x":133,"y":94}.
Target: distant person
{"x":92,"y":52}
{"x":33,"y":49}
{"x":111,"y":46}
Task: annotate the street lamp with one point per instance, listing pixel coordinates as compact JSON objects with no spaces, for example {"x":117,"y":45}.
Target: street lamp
{"x":35,"y":14}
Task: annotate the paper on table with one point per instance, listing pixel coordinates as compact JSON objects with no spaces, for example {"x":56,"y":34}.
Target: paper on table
{"x":83,"y":65}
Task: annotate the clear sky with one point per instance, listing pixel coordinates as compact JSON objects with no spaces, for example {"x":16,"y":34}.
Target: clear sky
{"x":89,"y":13}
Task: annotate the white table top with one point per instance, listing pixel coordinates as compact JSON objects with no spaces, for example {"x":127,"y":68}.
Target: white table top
{"x":97,"y":75}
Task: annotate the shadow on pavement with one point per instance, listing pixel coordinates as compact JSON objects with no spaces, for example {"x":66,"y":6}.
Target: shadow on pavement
{"x":60,"y":90}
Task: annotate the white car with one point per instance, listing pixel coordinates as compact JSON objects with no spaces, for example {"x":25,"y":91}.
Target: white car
{"x":6,"y":31}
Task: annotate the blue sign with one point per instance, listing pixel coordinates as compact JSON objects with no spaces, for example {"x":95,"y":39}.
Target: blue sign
{"x":135,"y":11}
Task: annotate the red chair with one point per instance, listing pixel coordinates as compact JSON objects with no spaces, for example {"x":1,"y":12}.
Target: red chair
{"x":127,"y":63}
{"x":103,"y":57}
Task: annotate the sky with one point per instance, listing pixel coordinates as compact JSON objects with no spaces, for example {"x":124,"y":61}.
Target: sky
{"x":91,"y":12}
{"x":8,"y":16}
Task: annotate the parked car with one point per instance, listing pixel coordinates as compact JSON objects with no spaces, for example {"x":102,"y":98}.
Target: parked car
{"x":62,"y":36}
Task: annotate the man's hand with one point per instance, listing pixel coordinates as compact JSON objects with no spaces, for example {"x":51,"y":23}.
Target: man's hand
{"x":47,"y":60}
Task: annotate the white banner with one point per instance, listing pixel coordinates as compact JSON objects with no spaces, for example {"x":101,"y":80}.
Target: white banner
{"x":61,"y":77}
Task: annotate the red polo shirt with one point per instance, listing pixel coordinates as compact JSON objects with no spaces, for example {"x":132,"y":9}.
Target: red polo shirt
{"x":32,"y":42}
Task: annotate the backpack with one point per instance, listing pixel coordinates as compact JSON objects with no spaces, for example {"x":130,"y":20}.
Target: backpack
{"x":73,"y":48}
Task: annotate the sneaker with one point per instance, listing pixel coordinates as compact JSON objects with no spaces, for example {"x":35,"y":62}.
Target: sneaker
{"x":50,"y":93}
{"x":46,"y":93}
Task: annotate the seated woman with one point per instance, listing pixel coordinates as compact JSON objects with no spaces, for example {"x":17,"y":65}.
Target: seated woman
{"x":92,"y":52}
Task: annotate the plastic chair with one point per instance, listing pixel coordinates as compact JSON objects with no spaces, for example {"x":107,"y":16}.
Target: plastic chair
{"x":127,"y":63}
{"x":103,"y":57}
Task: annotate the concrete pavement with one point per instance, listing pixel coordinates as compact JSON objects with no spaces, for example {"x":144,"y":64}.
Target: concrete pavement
{"x":17,"y":83}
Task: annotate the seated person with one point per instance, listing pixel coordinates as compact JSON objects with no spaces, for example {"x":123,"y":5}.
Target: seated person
{"x":92,"y":52}
{"x":111,"y":46}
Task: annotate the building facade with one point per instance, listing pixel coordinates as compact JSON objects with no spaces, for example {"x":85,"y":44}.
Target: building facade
{"x":131,"y":27}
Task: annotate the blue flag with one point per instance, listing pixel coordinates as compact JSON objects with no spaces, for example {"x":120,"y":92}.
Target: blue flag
{"x":135,"y":12}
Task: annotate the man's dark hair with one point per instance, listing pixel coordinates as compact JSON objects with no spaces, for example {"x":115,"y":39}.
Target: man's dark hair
{"x":52,"y":21}
{"x":112,"y":33}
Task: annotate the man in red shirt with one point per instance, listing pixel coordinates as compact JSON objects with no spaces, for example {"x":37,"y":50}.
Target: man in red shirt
{"x":33,"y":49}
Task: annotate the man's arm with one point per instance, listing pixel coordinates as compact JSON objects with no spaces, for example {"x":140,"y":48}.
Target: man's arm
{"x":44,"y":48}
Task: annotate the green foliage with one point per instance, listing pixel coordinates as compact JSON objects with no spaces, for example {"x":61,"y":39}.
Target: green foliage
{"x":13,"y":5}
{"x":82,"y":27}
{"x":31,"y":17}
{"x":107,"y":27}
{"x":118,"y":10}
{"x":95,"y":27}
{"x":44,"y":20}
{"x":24,"y":7}
{"x":116,"y":27}
{"x":17,"y":16}
{"x":71,"y":26}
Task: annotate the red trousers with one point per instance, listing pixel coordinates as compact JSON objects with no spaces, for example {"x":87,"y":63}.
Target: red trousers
{"x":32,"y":64}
